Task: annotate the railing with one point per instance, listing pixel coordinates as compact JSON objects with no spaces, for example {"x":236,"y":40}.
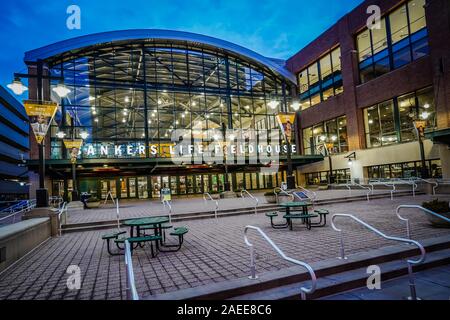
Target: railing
{"x":206,"y":197}
{"x":303,"y":291}
{"x":277,"y":191}
{"x":432,"y":182}
{"x":412,"y":183}
{"x":131,"y":286}
{"x":373,"y":183}
{"x":18,"y":206}
{"x":30,"y":204}
{"x":251,"y":196}
{"x":62,"y":211}
{"x":408,"y":229}
{"x":439,"y":183}
{"x":349,"y":187}
{"x":167,"y":204}
{"x":378,"y":232}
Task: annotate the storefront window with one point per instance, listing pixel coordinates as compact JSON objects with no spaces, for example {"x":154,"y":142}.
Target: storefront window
{"x":332,"y":131}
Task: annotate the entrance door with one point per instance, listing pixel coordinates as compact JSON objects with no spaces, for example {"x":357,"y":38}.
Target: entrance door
{"x":156,"y":187}
{"x":107,"y":186}
{"x":123,"y":188}
{"x":142,"y":188}
{"x":132,"y":187}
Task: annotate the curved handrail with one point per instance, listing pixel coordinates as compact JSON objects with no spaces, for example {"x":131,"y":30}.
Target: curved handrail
{"x":349,"y":185}
{"x":207,"y":195}
{"x":251,"y":196}
{"x":372,"y":184}
{"x":440,"y":182}
{"x":410,"y":262}
{"x":62,"y":211}
{"x":131,"y":286}
{"x":30,"y":204}
{"x":167,"y":203}
{"x":368,"y":226}
{"x":436,"y":184}
{"x":397,"y":212}
{"x":281,"y":191}
{"x":310,"y":270}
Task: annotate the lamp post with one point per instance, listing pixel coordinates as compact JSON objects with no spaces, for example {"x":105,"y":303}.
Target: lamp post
{"x":420,"y":126}
{"x":18,"y":88}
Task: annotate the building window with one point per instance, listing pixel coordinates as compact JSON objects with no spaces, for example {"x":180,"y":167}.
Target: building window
{"x":316,"y":178}
{"x":321,"y":80}
{"x":401,"y":39}
{"x":331,"y":131}
{"x":392,"y":121}
{"x":405,"y":170}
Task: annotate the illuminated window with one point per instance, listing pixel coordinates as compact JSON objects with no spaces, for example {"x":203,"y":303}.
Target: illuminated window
{"x":332,"y":131}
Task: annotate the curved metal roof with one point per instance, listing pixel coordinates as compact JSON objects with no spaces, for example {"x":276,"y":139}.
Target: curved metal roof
{"x":139,"y":34}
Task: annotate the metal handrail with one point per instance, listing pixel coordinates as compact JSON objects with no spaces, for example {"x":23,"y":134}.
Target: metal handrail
{"x":132,"y":293}
{"x":436,"y":184}
{"x":412,"y":183}
{"x":167,"y":203}
{"x":251,"y":196}
{"x":397,"y":212}
{"x":304,"y":291}
{"x":207,"y":195}
{"x":62,"y":211}
{"x":30,"y":205}
{"x":440,"y":182}
{"x":349,"y":185}
{"x":281,"y":191}
{"x":410,"y":262}
{"x":372,"y":184}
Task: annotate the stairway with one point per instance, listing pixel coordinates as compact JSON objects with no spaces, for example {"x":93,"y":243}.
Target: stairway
{"x":334,"y":275}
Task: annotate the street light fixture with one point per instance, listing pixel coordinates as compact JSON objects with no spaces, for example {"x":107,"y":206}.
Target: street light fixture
{"x":420,"y":125}
{"x":273,"y":104}
{"x":17,"y":86}
{"x":295,"y":105}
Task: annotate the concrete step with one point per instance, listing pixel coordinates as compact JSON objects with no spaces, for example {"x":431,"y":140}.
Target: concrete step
{"x":177,"y":217}
{"x":289,"y":278}
{"x":348,"y":280}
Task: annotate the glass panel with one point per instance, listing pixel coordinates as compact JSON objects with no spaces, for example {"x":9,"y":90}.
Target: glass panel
{"x":325,"y":67}
{"x":436,"y":169}
{"x":388,"y":133}
{"x":132,"y":187}
{"x":303,"y":80}
{"x":142,"y":188}
{"x":363,"y":45}
{"x":379,"y":37}
{"x":407,"y":112}
{"x":313,"y":74}
{"x":190,"y":184}
{"x":343,"y":138}
{"x":416,"y":9}
{"x":427,"y":109}
{"x":182,"y":184}
{"x":399,"y":24}
{"x":206,"y":187}
{"x":372,"y":127}
{"x":198,"y":184}
{"x":173,"y":185}
{"x":123,"y":188}
{"x":240,"y":181}
{"x":156,"y":187}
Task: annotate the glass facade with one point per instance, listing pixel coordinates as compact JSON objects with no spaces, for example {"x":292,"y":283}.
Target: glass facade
{"x":317,"y":178}
{"x":391,"y":121}
{"x":321,"y":80}
{"x":138,"y":93}
{"x":405,"y":170}
{"x":331,"y":131}
{"x":402,"y":38}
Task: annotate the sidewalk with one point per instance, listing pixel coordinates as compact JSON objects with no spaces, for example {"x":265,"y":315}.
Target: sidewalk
{"x":145,"y":208}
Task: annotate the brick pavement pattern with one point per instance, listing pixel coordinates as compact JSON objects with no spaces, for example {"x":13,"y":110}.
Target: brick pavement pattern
{"x":213,"y":251}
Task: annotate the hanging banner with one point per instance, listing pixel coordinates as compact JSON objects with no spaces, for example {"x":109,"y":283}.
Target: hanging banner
{"x":40,"y":116}
{"x":286,"y":123}
{"x":74,"y":147}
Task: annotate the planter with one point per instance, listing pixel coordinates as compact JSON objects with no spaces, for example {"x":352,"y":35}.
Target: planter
{"x":284,"y":199}
{"x":270,"y":198}
{"x":437,"y":222}
{"x":93,"y":205}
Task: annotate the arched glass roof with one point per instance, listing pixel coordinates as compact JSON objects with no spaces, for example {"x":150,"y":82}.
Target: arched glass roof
{"x":61,"y":47}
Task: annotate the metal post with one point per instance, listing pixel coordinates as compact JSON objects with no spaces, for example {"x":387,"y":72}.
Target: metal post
{"x":412,"y":284}
{"x":253,"y":275}
{"x":75,"y":196}
{"x":342,"y":251}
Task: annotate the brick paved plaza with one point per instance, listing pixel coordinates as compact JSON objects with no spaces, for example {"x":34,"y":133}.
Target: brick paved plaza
{"x":213,"y":251}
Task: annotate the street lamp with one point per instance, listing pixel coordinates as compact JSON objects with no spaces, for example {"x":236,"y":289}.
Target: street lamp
{"x":17,"y":86}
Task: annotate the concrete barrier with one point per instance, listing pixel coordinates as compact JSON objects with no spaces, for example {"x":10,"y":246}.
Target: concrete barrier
{"x":18,"y":239}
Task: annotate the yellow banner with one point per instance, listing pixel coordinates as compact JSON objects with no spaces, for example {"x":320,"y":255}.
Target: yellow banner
{"x":74,"y":147}
{"x":40,"y":115}
{"x":286,"y":123}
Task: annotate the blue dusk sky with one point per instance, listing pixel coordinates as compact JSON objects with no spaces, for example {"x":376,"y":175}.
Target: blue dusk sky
{"x":276,"y":28}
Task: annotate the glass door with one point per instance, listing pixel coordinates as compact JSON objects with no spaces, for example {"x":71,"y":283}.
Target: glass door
{"x":107,"y":186}
{"x":156,"y":187}
{"x":198,"y":184}
{"x":182,"y":185}
{"x":190,"y":184}
{"x":206,"y":187}
{"x":123,"y":188}
{"x":173,"y":185}
{"x":142,"y":188}
{"x":132,"y":187}
{"x":214,"y":183}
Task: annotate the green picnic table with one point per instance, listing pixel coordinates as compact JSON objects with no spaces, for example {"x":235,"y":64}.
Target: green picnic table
{"x":146,"y":222}
{"x":304,"y":215}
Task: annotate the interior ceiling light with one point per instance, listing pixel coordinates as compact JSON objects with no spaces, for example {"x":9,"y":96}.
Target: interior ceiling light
{"x":61,"y":90}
